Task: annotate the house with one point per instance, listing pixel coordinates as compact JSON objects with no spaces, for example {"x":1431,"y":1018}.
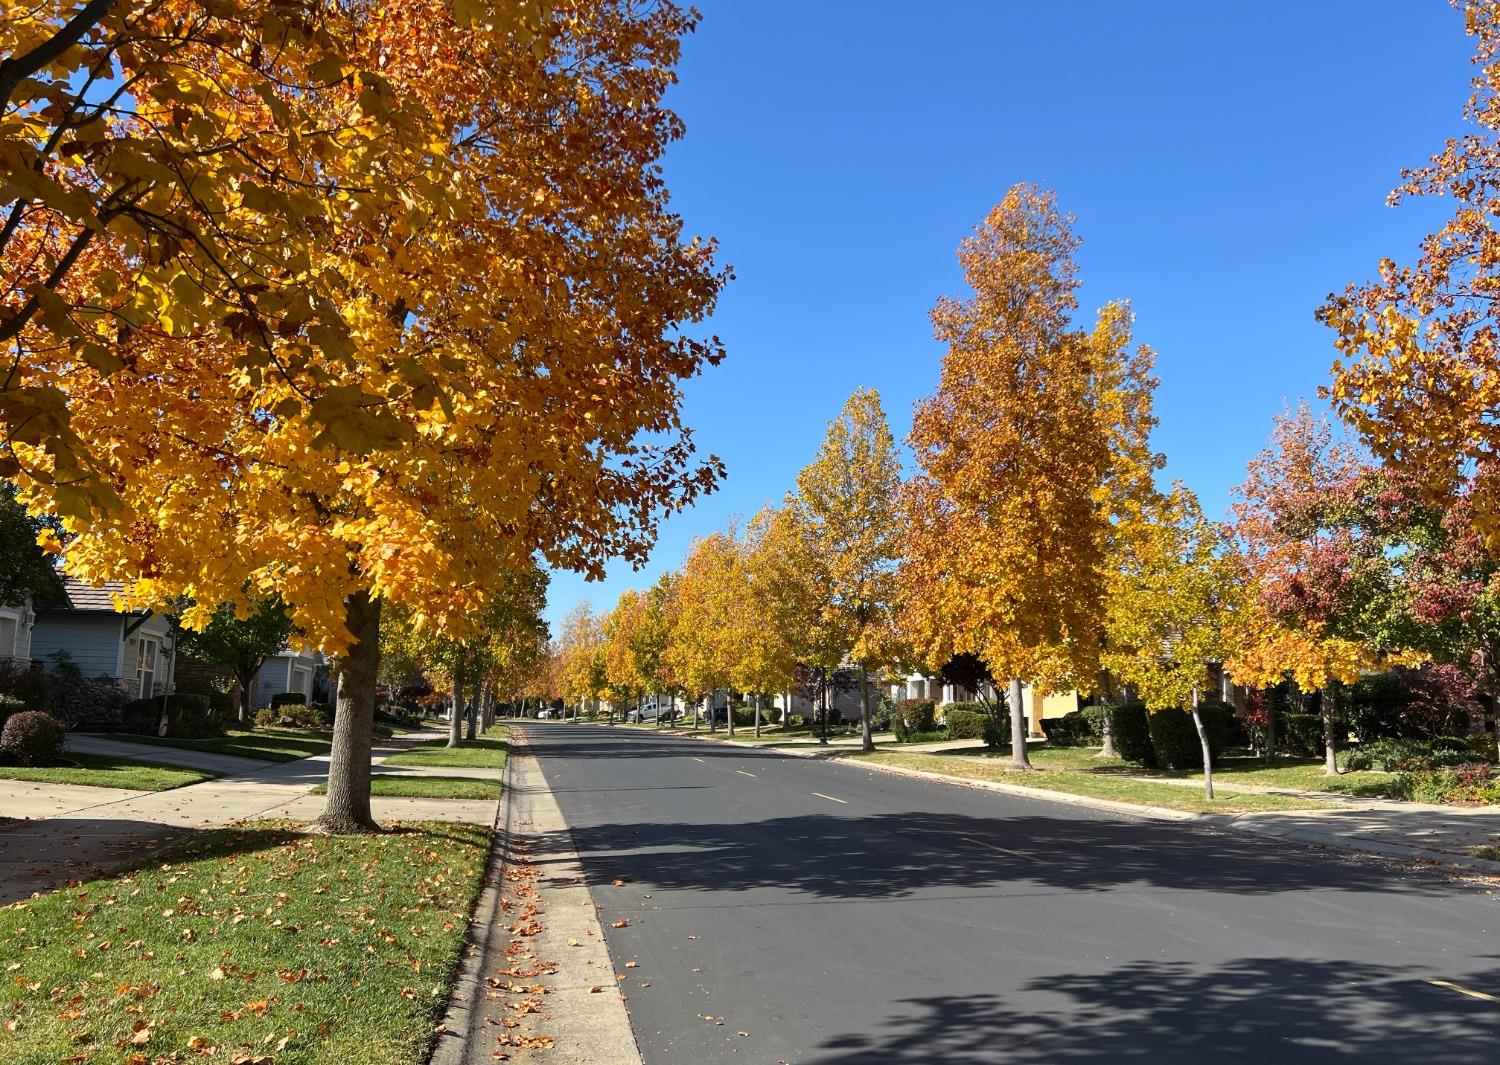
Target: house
{"x":15,"y":631}
{"x":132,"y":648}
{"x":917,"y":686}
{"x":289,"y":671}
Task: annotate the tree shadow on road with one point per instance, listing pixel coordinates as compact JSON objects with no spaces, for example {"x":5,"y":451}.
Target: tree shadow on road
{"x":1268,"y":1011}
{"x":898,"y":855}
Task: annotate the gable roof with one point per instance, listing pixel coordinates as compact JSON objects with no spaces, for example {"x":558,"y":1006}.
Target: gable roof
{"x":81,"y":598}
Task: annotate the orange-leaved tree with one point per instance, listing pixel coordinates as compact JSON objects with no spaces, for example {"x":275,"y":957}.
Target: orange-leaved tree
{"x":703,"y":649}
{"x":1008,"y":516}
{"x":847,"y":519}
{"x":496,"y":382}
{"x":1418,"y":373}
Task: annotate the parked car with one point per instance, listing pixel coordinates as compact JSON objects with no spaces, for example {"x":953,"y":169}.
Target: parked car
{"x":543,"y":715}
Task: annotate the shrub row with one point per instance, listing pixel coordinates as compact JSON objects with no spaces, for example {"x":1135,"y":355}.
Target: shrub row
{"x":188,"y":714}
{"x":1395,"y":755}
{"x":973,"y":721}
{"x":1165,"y":739}
{"x":1468,"y":783}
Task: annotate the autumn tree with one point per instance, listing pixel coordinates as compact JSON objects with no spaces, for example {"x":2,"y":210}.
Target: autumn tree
{"x":26,"y":571}
{"x":1008,"y":516}
{"x":702,"y":651}
{"x":580,"y":653}
{"x":1418,"y":375}
{"x":241,"y":639}
{"x":478,"y":369}
{"x":847,"y":518}
{"x":622,"y":629}
{"x":1172,"y":594}
{"x":777,"y":604}
{"x":1311,"y":569}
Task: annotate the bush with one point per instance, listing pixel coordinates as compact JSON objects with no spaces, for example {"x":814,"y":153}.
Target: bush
{"x":1299,"y":734}
{"x":920,"y":715}
{"x":1132,"y":733}
{"x":9,"y":705}
{"x":881,"y":715}
{"x":281,"y":699}
{"x":1223,"y":727}
{"x":1071,"y":730}
{"x":1396,"y":755}
{"x":1375,"y":705}
{"x":1174,"y":738}
{"x":32,"y":737}
{"x":974,"y":724}
{"x":1468,"y":783}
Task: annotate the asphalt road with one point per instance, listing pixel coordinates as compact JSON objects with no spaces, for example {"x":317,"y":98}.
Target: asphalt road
{"x":840,"y":916}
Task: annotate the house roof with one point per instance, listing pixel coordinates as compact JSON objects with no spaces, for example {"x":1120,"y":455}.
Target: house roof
{"x":86,"y":599}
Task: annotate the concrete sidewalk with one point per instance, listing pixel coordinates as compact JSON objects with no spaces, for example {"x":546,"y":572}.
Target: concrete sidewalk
{"x":209,"y":761}
{"x":91,"y":833}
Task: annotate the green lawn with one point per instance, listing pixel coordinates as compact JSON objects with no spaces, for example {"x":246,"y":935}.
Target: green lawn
{"x":255,"y":943}
{"x":1098,"y":785}
{"x":109,"y":771}
{"x":486,"y":752}
{"x":266,"y":744}
{"x":1234,"y":767}
{"x":396,"y":787}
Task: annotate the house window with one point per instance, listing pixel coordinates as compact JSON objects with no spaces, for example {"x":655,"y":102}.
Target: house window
{"x":145,"y":667}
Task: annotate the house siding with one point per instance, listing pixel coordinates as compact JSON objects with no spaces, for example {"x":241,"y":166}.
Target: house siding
{"x":276,"y":673}
{"x":93,"y":641}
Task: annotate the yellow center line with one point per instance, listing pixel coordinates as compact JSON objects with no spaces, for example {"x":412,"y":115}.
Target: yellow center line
{"x":742,"y":773}
{"x":992,"y":847}
{"x":830,"y":798}
{"x":1451,"y":986}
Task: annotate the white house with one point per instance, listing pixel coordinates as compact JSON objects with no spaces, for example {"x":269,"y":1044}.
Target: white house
{"x":15,"y":631}
{"x":132,"y":648}
{"x":289,"y":671}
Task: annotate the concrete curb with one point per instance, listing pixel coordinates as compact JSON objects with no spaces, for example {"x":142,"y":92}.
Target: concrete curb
{"x":462,"y":1016}
{"x":1256,"y":824}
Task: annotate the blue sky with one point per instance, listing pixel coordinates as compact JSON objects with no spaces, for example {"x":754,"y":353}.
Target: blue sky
{"x":1227,"y":163}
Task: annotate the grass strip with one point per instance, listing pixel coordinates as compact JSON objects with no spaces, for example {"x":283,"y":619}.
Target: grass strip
{"x":486,"y":752}
{"x":109,"y":771}
{"x":253,"y":943}
{"x":1097,"y":785}
{"x":391,"y":786}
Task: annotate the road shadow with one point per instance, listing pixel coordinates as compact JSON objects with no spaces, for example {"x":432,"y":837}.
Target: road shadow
{"x":895,"y":855}
{"x":1267,"y":1011}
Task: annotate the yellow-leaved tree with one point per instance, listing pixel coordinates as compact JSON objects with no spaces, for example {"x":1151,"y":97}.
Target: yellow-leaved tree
{"x":1419,"y":375}
{"x":702,"y":650}
{"x":846,"y":516}
{"x":580,"y":652}
{"x":1008,"y":518}
{"x":1171,"y":598}
{"x":443,"y":392}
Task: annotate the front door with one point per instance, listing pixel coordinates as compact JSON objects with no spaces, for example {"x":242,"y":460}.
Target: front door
{"x":145,"y":667}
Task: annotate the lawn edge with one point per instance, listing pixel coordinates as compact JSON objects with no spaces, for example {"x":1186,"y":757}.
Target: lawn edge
{"x":449,"y":1039}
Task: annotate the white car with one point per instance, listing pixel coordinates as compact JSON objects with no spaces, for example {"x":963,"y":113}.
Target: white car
{"x":543,"y":715}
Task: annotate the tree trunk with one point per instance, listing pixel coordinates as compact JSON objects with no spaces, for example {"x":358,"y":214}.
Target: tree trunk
{"x":1106,"y":697}
{"x":827,"y":694}
{"x":729,"y":710}
{"x":456,"y":714}
{"x":713,"y":718}
{"x":1208,"y":762}
{"x":243,"y":691}
{"x":865,"y":742}
{"x":1019,"y":759}
{"x":348,"y":807}
{"x":1270,"y":728}
{"x":477,"y":709}
{"x":471,"y":715}
{"x":757,"y":715}
{"x":1330,"y":745}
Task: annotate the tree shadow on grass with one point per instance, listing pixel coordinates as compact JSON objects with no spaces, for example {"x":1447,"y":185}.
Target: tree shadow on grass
{"x":1267,"y":1011}
{"x":896,"y":855}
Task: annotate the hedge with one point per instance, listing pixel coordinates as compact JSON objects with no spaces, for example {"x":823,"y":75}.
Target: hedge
{"x":1132,"y":733}
{"x":1395,"y":755}
{"x":973,"y":725}
{"x":189,"y":714}
{"x":288,"y":699}
{"x":920,"y":715}
{"x":1071,"y":730}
